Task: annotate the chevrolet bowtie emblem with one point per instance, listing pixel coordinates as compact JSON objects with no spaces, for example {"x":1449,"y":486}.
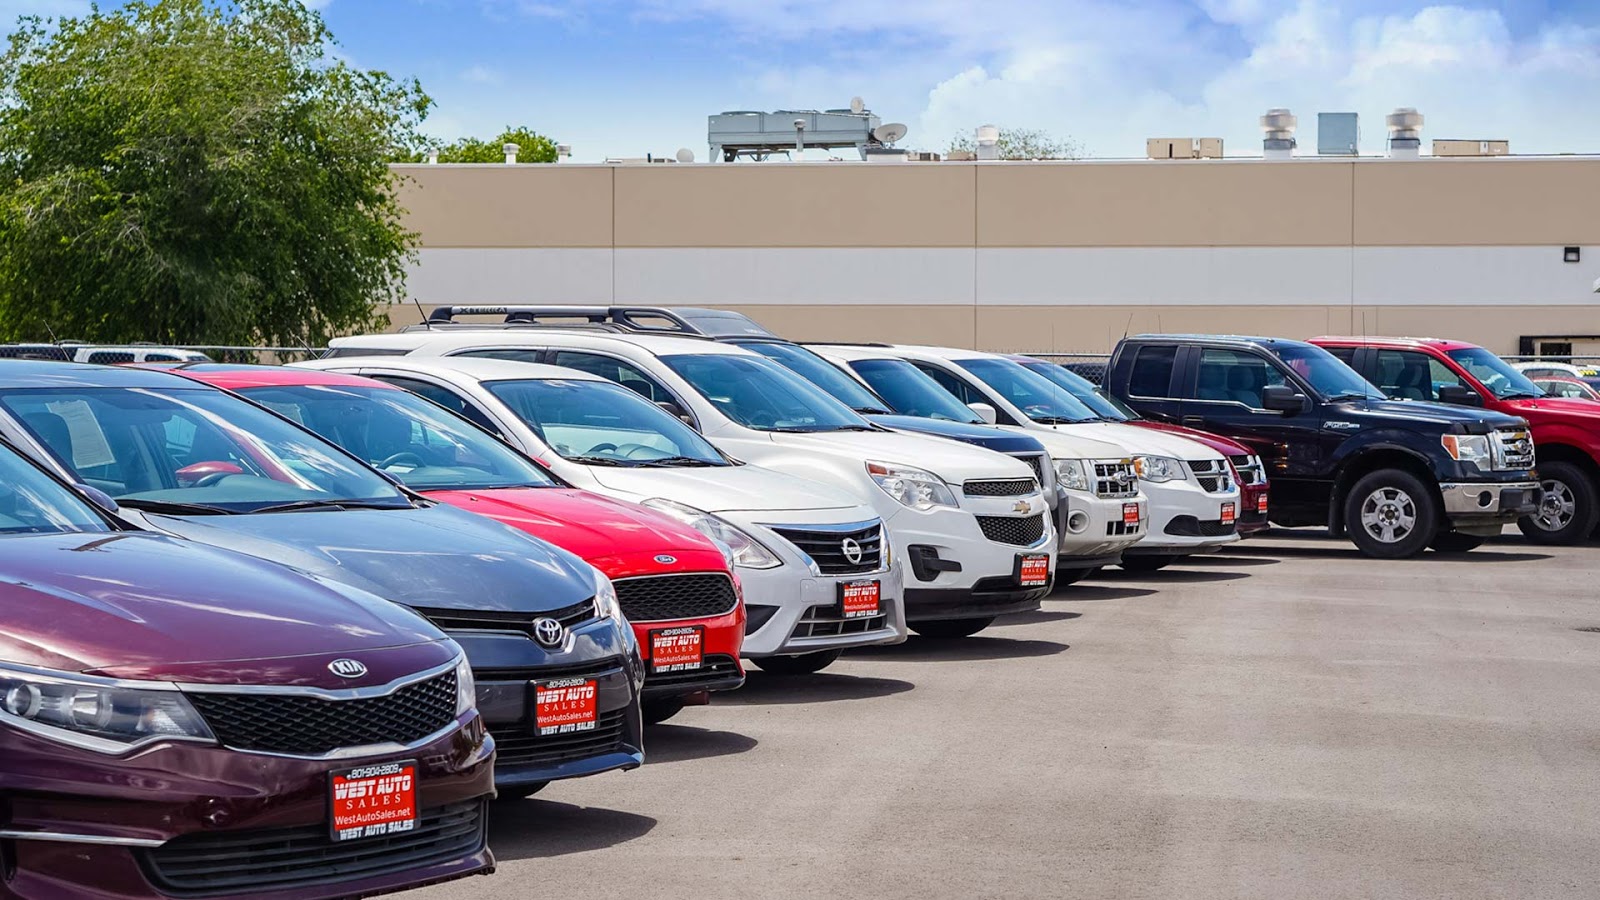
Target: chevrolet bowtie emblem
{"x":1021,"y":506}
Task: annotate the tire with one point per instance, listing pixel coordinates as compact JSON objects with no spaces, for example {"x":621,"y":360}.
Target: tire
{"x":1065,"y":577}
{"x":658,"y":711}
{"x":1391,"y":514}
{"x":1142,"y":563}
{"x":1568,"y":509}
{"x":943,"y":629}
{"x":1456,"y":542}
{"x":522,"y":791}
{"x":803,"y":664}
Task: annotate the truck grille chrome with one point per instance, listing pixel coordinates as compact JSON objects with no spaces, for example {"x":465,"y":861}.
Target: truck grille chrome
{"x":1212,"y":474}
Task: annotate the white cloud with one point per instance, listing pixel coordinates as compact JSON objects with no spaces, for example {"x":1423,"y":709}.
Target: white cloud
{"x":480,"y":74}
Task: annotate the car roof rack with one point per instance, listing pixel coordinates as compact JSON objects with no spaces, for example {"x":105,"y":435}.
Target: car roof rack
{"x":615,"y":319}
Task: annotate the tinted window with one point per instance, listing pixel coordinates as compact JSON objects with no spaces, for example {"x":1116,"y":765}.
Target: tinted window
{"x":1152,"y":371}
{"x":913,"y":392}
{"x":1038,"y":398}
{"x":514,"y":354}
{"x":1079,"y":387}
{"x":602,"y":423}
{"x":760,"y":394}
{"x":404,"y":435}
{"x":191,"y":445}
{"x":444,"y":397}
{"x":1494,"y":373}
{"x":611,"y":369}
{"x":1410,"y":375}
{"x":338,"y":352}
{"x":953,"y":386}
{"x":821,"y":373}
{"x":32,"y":503}
{"x":1329,"y":377}
{"x":1346,"y":355}
{"x":1236,"y":376}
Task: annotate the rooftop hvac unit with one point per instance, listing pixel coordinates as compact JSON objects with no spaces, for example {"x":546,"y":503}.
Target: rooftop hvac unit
{"x":1338,"y":134}
{"x":1277,"y":128}
{"x":1183,"y":148}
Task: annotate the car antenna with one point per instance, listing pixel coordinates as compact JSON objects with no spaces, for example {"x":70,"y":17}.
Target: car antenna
{"x":426,"y":325}
{"x":1125,"y":328}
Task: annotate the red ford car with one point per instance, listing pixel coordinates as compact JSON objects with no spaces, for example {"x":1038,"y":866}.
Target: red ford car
{"x":673,"y":584}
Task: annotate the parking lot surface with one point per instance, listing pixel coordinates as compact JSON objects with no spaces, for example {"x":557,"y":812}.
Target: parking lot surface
{"x":1285,"y":719}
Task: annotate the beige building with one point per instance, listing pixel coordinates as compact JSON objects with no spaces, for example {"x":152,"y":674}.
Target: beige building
{"x":1041,"y":256}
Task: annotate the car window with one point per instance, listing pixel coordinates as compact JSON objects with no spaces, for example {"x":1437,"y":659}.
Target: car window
{"x":1079,"y":387}
{"x":32,"y":503}
{"x":1039,"y":398}
{"x":602,"y":423}
{"x":1411,"y":374}
{"x":110,"y":357}
{"x":912,"y":391}
{"x":1152,"y":371}
{"x":760,"y":394}
{"x":1235,"y":376}
{"x":1346,"y":355}
{"x":821,"y":373}
{"x":444,"y":397}
{"x":514,"y":354}
{"x":956,"y":386}
{"x":611,"y":369}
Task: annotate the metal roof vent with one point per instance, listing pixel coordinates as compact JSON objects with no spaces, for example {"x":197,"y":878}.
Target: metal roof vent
{"x":1405,"y":132}
{"x":1278,"y":127}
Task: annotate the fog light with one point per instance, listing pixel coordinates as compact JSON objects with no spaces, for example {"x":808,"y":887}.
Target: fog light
{"x":1077,"y":522}
{"x":1485,"y":498}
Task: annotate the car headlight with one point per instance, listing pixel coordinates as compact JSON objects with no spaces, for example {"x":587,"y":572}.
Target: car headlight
{"x":605,"y":597}
{"x":96,"y":714}
{"x":916,"y":488}
{"x":1072,"y":474}
{"x":738,"y":546}
{"x":1473,"y":448}
{"x":466,"y":688}
{"x":1159,"y":468}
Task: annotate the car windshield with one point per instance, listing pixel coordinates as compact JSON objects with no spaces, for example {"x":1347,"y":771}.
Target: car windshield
{"x":912,"y":391}
{"x":416,"y":441}
{"x":1080,"y":387}
{"x":603,"y":423}
{"x":193,"y":450}
{"x":821,"y":373}
{"x":1039,"y":399}
{"x":758,"y":393}
{"x":32,"y":503}
{"x":1325,"y":373}
{"x":1495,"y":373}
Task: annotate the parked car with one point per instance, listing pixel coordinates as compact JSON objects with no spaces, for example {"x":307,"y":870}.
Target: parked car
{"x":540,"y":625}
{"x":1397,"y":477}
{"x":179,"y":720}
{"x":799,"y":547}
{"x":674,"y":585}
{"x":102,"y":354}
{"x":987,"y":553}
{"x":1589,"y":375}
{"x":1570,"y":388}
{"x":1248,"y":472}
{"x":1566,"y":432}
{"x":1194,"y":504}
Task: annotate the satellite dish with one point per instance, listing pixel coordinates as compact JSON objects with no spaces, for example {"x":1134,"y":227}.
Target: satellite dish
{"x":685,"y":155}
{"x":888,"y":134}
{"x":857,"y":105}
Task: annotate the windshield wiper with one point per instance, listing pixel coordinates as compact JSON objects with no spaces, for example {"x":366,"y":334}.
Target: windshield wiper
{"x":669,"y":461}
{"x":176,"y":507}
{"x":872,"y":410}
{"x":329,"y":504}
{"x":1522,"y":395}
{"x":599,"y":461}
{"x":1351,"y":395}
{"x":1058,"y":420}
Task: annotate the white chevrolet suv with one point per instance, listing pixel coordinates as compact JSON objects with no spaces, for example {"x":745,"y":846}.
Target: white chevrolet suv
{"x":798,"y":547}
{"x":1194,"y":502}
{"x":969,"y":525}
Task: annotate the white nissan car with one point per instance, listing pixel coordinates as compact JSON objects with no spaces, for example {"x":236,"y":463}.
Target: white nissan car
{"x":970,"y":526}
{"x":1194,"y":502}
{"x":800,"y":549}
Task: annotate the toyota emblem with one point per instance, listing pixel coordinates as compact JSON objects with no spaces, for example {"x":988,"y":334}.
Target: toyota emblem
{"x":852,"y":550}
{"x":548,"y":632}
{"x":347,"y":668}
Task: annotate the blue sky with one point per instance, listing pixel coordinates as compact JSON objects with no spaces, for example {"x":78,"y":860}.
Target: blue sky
{"x":626,"y":77}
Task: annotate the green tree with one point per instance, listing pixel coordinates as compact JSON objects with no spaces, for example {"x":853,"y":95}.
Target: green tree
{"x":1023,"y":143}
{"x":532,"y":147}
{"x":197,"y":171}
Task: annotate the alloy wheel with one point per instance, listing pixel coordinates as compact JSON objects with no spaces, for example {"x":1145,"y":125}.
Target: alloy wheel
{"x":1557,"y":507}
{"x":1389,"y":515}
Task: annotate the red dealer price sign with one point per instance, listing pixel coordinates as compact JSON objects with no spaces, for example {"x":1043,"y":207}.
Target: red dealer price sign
{"x":860,"y":599}
{"x":565,"y":706}
{"x":372,"y":801}
{"x":1227,"y":513}
{"x":1130,"y":513}
{"x":677,"y":649}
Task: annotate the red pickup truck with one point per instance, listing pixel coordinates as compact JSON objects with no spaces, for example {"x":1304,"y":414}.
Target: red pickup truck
{"x":1566,"y":432}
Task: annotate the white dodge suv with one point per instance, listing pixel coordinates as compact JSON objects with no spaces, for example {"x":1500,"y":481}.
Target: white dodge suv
{"x":970,"y":525}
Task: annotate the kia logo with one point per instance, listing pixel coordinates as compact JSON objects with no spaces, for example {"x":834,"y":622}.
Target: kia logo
{"x":666,"y":560}
{"x":852,"y":550}
{"x":347,"y":668}
{"x":548,"y":632}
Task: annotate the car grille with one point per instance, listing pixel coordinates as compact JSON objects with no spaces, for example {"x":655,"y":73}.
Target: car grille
{"x":282,"y":859}
{"x":1249,"y":469}
{"x":1120,"y":528}
{"x":310,"y":726}
{"x":1019,"y":532}
{"x":712,"y":667}
{"x":825,"y":546}
{"x":1115,"y":478}
{"x":824,"y":621}
{"x":1514,"y":448}
{"x":1036,"y":463}
{"x":662,"y":597}
{"x":1009,"y":487}
{"x":1189,"y":526}
{"x":519,"y":622}
{"x":1212,"y":474}
{"x":515,"y":746}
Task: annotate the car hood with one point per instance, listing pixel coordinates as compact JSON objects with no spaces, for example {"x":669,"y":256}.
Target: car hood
{"x":1070,"y":442}
{"x":985,"y":436}
{"x":1215,"y":441}
{"x":158,"y":605}
{"x":1579,"y":412}
{"x":947,"y":459}
{"x":1144,"y":441}
{"x":1463,"y":419}
{"x":726,"y":488}
{"x":592,"y":526}
{"x":434,"y":556}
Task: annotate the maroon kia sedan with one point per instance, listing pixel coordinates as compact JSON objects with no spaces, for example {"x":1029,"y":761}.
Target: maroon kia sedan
{"x":182,"y":721}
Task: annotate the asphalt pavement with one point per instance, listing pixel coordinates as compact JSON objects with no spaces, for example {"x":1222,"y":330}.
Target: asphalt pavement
{"x":1284,"y":719}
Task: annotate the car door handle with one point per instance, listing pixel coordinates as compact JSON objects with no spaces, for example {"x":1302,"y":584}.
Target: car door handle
{"x":1194,"y":421}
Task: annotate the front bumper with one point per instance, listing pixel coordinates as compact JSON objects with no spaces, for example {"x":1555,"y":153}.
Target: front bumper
{"x":956,"y":572}
{"x":506,"y":668}
{"x":192,"y":820}
{"x":721,"y":639}
{"x":1096,"y":531}
{"x":1254,"y":500}
{"x":1489,"y":503}
{"x":1184,"y":519}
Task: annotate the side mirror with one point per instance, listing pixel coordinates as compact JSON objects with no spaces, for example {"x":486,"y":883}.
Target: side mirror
{"x":1282,"y":398}
{"x":1459,"y":395}
{"x":985,"y":412}
{"x":99,"y":498}
{"x":676,"y":411}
